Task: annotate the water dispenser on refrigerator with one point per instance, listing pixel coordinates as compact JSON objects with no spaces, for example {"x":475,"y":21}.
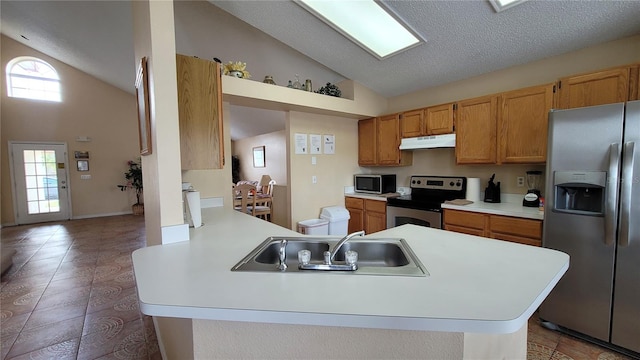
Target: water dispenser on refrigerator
{"x":580,"y":192}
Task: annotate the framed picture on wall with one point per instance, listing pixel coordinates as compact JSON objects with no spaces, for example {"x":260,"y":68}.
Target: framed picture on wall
{"x":142,"y":97}
{"x":258,"y":156}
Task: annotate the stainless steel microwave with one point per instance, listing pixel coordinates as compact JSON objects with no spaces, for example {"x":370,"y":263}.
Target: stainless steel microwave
{"x":374,"y":184}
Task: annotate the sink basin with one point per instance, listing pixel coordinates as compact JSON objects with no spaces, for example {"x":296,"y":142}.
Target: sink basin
{"x":375,"y":256}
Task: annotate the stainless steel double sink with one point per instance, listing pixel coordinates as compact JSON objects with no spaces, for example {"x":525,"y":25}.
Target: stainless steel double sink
{"x":384,"y":256}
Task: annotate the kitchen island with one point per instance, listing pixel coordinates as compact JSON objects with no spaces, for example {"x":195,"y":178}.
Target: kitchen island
{"x":475,"y":303}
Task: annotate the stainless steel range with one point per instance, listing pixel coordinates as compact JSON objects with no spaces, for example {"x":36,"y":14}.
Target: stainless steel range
{"x":424,"y":205}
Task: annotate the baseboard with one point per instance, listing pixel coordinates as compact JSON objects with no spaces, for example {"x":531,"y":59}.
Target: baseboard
{"x":100,"y":215}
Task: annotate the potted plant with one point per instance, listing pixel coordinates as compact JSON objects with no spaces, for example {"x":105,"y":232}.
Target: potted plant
{"x":134,"y":181}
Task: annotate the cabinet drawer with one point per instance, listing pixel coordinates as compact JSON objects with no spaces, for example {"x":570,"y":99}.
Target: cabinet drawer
{"x":464,"y":230}
{"x":375,"y":206}
{"x":464,"y":218}
{"x":516,"y":226}
{"x":354,"y":203}
{"x":517,"y":239}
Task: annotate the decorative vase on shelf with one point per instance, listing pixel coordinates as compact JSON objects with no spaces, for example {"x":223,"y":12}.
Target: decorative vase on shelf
{"x":296,"y":84}
{"x":268,"y":79}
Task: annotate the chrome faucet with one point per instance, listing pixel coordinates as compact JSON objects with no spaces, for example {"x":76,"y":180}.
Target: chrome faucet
{"x":282,"y":255}
{"x":328,"y":258}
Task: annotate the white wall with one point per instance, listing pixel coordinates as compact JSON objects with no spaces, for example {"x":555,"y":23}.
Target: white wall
{"x":89,"y":107}
{"x":332,"y":171}
{"x":275,"y":144}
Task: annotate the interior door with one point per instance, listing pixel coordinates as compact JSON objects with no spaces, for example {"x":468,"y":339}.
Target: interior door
{"x":39,"y":177}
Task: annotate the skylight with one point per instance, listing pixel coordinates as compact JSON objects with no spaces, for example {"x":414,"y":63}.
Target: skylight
{"x":500,"y":5}
{"x":367,"y":23}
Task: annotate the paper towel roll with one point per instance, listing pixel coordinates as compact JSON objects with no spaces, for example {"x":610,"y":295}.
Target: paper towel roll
{"x":194,"y":212}
{"x":473,"y":189}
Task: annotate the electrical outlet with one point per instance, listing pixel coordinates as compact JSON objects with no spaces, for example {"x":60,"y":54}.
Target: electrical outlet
{"x":520,"y":181}
{"x":314,"y":179}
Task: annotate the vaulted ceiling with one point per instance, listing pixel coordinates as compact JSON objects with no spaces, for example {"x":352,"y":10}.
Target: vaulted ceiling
{"x":464,"y":38}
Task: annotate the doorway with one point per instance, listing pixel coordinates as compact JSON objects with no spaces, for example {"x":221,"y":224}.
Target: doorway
{"x":39,"y":177}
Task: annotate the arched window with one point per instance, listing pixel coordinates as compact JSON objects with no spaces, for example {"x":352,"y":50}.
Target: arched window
{"x":32,"y":78}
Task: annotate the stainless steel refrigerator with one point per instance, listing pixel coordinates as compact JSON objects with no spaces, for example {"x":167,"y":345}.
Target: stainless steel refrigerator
{"x":592,"y":213}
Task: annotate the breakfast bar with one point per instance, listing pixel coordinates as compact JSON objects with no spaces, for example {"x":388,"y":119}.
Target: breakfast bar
{"x":475,"y":301}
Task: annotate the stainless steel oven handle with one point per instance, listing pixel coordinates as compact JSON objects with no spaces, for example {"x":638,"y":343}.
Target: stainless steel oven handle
{"x":628,"y":156}
{"x":612,"y":195}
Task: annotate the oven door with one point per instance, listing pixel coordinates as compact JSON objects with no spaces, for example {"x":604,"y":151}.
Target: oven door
{"x":397,"y":216}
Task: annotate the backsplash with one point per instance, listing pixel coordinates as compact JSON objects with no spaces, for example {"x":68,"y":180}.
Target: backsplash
{"x":442,"y":162}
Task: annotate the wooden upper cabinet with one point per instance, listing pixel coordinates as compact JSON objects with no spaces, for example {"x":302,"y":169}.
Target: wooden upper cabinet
{"x":388,"y":129}
{"x":634,"y":83}
{"x":435,"y":120}
{"x":367,"y":139}
{"x":412,"y":124}
{"x":439,"y":119}
{"x":476,"y":130}
{"x":598,"y":88}
{"x":200,"y":113}
{"x":522,"y":124}
{"x":379,"y":142}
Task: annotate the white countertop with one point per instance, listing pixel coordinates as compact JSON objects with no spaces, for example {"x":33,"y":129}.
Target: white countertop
{"x":512,"y":206}
{"x":475,"y":284}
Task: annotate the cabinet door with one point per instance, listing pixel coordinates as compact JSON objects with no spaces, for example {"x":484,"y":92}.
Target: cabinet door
{"x":374,"y":222}
{"x":634,"y":83}
{"x":355,"y":207}
{"x":522,"y":128}
{"x":367,"y":142}
{"x":200,"y":113}
{"x":476,"y":130}
{"x":356,"y":220}
{"x":412,"y":124}
{"x":388,"y":129}
{"x":439,"y":119}
{"x":602,"y":87}
{"x":375,"y":216}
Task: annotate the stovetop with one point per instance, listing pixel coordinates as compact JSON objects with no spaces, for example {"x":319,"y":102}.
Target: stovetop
{"x":429,"y":192}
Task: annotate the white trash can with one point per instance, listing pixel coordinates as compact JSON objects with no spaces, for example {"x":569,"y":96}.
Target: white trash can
{"x":313,"y":227}
{"x":338,"y":218}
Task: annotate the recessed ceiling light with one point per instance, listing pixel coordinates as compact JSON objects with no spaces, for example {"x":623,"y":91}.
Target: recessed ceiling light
{"x":369,"y":24}
{"x":500,"y":5}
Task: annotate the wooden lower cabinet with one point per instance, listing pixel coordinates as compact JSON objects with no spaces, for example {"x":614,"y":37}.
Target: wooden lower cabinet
{"x":508,"y":228}
{"x":367,"y":215}
{"x":355,"y":207}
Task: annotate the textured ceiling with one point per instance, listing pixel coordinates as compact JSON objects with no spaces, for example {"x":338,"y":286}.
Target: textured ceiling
{"x":464,"y":38}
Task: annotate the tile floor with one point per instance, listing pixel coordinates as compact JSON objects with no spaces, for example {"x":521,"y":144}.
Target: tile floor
{"x":71,"y":294}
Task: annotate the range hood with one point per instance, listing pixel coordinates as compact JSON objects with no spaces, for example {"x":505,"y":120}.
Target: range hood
{"x":429,"y":142}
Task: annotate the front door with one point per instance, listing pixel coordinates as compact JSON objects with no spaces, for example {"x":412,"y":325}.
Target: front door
{"x":39,"y":178}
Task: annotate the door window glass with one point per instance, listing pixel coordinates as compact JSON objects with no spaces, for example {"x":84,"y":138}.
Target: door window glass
{"x":41,"y":180}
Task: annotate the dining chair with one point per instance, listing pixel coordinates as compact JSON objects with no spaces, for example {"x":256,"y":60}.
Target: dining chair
{"x":247,"y":201}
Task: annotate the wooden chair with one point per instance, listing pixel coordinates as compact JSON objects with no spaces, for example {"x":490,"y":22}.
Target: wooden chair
{"x":246,"y":201}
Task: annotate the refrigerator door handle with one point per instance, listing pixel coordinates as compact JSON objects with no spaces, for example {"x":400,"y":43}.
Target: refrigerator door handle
{"x":625,"y":193}
{"x":612,"y":195}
